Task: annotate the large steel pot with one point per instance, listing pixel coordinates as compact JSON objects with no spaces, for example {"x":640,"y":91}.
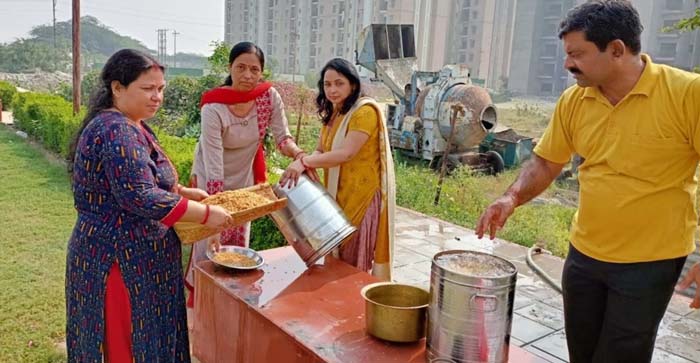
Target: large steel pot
{"x":312,"y":222}
{"x":471,"y":307}
{"x":395,"y":312}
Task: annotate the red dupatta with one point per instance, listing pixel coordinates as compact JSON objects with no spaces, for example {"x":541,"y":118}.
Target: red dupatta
{"x":229,"y":96}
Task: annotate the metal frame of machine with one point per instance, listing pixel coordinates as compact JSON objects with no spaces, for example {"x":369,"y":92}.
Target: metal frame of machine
{"x":419,"y":125}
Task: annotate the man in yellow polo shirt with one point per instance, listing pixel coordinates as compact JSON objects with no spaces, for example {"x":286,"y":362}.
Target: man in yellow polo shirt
{"x":637,"y":125}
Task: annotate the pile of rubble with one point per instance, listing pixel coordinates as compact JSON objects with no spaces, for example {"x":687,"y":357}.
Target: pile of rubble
{"x":38,"y":81}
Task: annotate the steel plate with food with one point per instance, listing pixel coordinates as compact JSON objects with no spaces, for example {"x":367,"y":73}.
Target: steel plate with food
{"x":235,"y":257}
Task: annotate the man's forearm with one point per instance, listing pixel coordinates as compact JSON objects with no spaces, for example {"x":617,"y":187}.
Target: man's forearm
{"x":536,"y":175}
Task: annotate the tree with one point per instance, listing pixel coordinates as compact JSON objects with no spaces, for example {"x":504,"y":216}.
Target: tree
{"x":88,"y":85}
{"x":689,"y":24}
{"x":218,"y":60}
{"x":28,"y":55}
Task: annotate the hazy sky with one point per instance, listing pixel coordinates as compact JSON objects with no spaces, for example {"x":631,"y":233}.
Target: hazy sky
{"x":198,"y":21}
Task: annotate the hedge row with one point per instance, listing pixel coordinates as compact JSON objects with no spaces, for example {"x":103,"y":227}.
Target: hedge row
{"x":47,"y":118}
{"x":7,"y":93}
{"x":50,"y":120}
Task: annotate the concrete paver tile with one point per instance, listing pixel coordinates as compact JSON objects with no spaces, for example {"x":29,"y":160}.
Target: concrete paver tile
{"x":522,"y":299}
{"x":552,"y":265}
{"x":544,"y":355}
{"x":662,"y":356}
{"x":556,"y":302}
{"x":517,"y":342}
{"x":404,"y":256}
{"x":422,"y":267}
{"x":679,"y":304}
{"x":510,"y":251}
{"x":527,"y":330}
{"x":695,"y":315}
{"x":534,"y":286}
{"x":428,"y":250}
{"x":680,"y":336}
{"x":543,"y":314}
{"x":406,"y":274}
{"x":554,"y":344}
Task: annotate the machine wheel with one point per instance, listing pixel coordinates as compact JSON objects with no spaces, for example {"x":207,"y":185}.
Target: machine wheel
{"x":436,"y":164}
{"x":495,"y":161}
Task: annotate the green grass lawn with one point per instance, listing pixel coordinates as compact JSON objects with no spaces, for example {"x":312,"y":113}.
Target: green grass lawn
{"x":36,"y":210}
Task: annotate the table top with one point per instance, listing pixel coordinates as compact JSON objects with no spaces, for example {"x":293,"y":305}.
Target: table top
{"x":321,"y":307}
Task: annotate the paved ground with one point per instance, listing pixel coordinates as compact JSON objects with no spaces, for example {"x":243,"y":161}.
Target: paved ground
{"x":538,"y":321}
{"x":7,"y":117}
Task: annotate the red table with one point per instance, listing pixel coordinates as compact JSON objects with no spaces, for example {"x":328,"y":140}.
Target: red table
{"x":285,"y":312}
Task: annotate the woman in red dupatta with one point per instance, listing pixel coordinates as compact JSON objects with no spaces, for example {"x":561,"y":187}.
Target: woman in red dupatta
{"x":229,"y":154}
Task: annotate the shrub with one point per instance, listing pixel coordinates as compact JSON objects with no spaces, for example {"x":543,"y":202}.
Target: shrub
{"x":7,"y":93}
{"x":48,"y":118}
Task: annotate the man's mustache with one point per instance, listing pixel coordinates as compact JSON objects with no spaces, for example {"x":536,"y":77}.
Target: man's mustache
{"x":575,"y":70}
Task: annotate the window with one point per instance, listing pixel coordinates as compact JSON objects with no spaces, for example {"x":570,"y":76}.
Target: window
{"x":547,"y":69}
{"x":332,"y":37}
{"x":471,"y":57}
{"x":472,"y":43}
{"x":462,"y":58}
{"x":546,"y":88}
{"x":464,"y":43}
{"x":551,"y":28}
{"x":475,"y":14}
{"x":674,"y":4}
{"x":667,"y":50}
{"x":473,"y":29}
{"x":383,"y":4}
{"x":553,"y":10}
{"x":549,"y":50}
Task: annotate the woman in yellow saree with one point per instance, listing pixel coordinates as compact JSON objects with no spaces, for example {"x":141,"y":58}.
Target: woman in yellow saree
{"x":353,"y":150}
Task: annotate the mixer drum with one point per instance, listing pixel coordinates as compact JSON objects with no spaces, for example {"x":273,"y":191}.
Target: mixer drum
{"x":479,"y":116}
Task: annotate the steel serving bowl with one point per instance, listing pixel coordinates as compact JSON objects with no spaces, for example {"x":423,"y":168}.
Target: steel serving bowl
{"x":242,"y":250}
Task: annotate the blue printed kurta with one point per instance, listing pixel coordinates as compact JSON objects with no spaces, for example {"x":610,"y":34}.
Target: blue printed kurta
{"x":121,"y":185}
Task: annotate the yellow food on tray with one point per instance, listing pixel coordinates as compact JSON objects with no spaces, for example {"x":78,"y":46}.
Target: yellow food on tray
{"x":236,"y":200}
{"x":234,"y":259}
{"x":244,"y":205}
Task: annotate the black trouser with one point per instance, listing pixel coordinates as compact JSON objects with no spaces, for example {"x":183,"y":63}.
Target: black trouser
{"x":612,"y":310}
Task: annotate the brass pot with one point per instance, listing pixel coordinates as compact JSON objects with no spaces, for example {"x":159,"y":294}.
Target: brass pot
{"x":395,"y":312}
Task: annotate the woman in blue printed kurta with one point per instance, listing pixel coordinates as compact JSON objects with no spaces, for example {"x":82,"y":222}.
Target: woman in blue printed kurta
{"x":124,"y":295}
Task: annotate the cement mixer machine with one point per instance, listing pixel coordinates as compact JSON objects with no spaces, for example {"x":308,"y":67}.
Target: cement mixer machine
{"x":420,"y":124}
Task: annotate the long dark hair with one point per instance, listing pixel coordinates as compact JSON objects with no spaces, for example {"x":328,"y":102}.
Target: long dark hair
{"x":325,"y":107}
{"x":124,"y":66}
{"x":243,"y":48}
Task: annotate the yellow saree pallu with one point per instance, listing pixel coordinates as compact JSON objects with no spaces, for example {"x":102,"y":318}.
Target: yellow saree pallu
{"x":383,"y":252}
